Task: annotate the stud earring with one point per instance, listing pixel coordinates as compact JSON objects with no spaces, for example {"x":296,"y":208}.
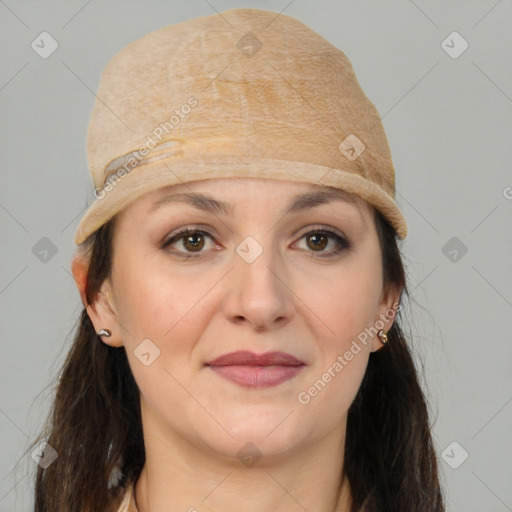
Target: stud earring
{"x":383,"y":335}
{"x":105,"y":332}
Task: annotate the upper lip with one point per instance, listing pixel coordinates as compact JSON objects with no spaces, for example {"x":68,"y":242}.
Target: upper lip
{"x":244,"y":357}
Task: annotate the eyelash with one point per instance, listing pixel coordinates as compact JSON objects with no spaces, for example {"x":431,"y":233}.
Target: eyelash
{"x":342,"y":243}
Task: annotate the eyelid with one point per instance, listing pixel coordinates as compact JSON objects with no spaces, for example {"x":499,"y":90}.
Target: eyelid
{"x":200,"y":228}
{"x":320,"y":227}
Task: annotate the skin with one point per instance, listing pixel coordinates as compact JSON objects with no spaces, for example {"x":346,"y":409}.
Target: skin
{"x":290,"y":299}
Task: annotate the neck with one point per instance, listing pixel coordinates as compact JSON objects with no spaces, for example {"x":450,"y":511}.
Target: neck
{"x":185,"y":477}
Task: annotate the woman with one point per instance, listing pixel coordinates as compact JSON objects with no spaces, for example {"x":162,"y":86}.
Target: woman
{"x":239,"y":347}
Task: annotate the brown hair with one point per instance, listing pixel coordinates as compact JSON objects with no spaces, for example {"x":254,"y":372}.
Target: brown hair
{"x":95,"y":421}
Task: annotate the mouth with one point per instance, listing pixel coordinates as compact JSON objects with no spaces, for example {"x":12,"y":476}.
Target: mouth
{"x":256,"y":370}
{"x":246,"y":358}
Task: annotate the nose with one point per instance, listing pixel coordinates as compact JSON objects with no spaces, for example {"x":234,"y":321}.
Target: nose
{"x":257,"y":292}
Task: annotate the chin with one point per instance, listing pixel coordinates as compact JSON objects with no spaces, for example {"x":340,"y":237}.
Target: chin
{"x":273,"y":437}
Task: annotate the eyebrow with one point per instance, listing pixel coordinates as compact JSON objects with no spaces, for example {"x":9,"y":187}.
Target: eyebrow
{"x":298,"y":204}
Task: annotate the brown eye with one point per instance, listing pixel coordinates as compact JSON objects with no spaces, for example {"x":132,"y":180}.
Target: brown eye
{"x":317,"y":241}
{"x":187,"y":242}
{"x":193,"y":242}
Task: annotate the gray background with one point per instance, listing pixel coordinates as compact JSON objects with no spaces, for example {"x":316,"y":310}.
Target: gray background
{"x":449,"y":124}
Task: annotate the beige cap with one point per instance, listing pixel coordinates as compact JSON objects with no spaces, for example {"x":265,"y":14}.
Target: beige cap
{"x":243,"y":93}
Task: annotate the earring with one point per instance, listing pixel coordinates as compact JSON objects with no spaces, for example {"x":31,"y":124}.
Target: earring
{"x":383,"y":335}
{"x":104,"y":332}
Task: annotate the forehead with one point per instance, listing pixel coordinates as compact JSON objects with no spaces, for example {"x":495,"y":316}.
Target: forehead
{"x":220,"y":196}
{"x":226,"y":191}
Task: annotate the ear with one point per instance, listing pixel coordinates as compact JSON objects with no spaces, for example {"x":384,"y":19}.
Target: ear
{"x":388,"y":309}
{"x":101,"y":310}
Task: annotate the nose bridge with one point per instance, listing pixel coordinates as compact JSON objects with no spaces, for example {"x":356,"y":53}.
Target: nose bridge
{"x":257,"y":291}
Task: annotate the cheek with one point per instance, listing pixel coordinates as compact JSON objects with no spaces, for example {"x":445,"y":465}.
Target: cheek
{"x":346,"y":311}
{"x":345,"y":302}
{"x":332,"y":394}
{"x":145,"y":298}
{"x":152,"y":305}
{"x":343,"y":358}
{"x":163,"y":304}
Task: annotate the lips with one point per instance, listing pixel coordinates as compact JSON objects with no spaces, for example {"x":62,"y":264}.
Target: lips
{"x":251,"y":370}
{"x":246,"y":358}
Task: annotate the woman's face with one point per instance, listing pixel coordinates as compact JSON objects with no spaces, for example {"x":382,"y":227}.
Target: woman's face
{"x":249,"y":276}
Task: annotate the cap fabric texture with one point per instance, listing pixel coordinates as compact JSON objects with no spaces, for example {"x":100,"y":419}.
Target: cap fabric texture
{"x":244,"y":93}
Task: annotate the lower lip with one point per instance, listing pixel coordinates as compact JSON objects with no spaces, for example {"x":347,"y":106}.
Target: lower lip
{"x":257,"y":376}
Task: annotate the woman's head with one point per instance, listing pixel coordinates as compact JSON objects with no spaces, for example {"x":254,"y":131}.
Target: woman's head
{"x":251,"y":275}
{"x":96,"y":420}
{"x":255,"y":137}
